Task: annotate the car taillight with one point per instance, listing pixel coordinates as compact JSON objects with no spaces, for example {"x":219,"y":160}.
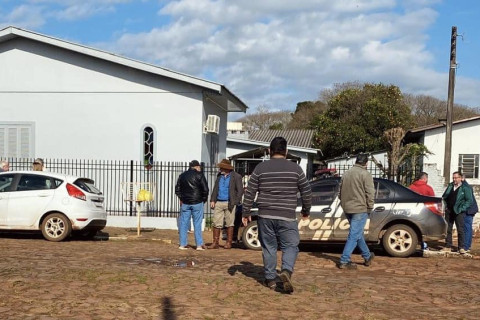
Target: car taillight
{"x":435,"y":207}
{"x":75,"y":192}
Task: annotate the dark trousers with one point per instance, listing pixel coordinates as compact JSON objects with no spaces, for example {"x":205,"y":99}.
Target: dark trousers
{"x":458,"y":219}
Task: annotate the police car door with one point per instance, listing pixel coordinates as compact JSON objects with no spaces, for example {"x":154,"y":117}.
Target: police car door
{"x":324,"y":206}
{"x":384,"y":199}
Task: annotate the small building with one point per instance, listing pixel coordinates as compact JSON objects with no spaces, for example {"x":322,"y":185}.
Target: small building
{"x":247,"y":149}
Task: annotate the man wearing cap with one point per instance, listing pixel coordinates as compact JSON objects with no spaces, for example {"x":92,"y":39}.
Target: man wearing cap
{"x":357,"y":199}
{"x":37,"y":165}
{"x":226,"y":195}
{"x":192,"y":189}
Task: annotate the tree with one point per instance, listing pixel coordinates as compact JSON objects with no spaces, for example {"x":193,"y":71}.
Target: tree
{"x":264,"y":119}
{"x":305,"y":113}
{"x":428,"y":110}
{"x":356,"y":119}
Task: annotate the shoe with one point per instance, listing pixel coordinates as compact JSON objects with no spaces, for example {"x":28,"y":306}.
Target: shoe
{"x":368,"y":262}
{"x":286,"y":277}
{"x":183,"y":248}
{"x":201,"y":248}
{"x":462,"y":251}
{"x":349,"y":265}
{"x":270,"y":284}
{"x":446,"y":249}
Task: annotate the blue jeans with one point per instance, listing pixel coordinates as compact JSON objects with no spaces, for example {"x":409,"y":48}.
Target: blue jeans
{"x":468,"y":223}
{"x":269,"y":230}
{"x":355,"y":237}
{"x":187,"y":212}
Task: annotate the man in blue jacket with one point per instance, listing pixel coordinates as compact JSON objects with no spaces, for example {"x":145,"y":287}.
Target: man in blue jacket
{"x":468,"y":219}
{"x":458,"y":197}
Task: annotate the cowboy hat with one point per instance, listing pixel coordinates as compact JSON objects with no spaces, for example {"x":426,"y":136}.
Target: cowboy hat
{"x":225,"y":164}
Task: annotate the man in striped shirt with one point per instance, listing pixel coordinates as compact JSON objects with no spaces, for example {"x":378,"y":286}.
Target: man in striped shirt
{"x":277,"y":182}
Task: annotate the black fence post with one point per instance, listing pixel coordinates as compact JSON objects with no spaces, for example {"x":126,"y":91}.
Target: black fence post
{"x":131,"y":181}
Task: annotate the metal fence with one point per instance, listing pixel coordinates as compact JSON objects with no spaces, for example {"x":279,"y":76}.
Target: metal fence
{"x":109,"y":176}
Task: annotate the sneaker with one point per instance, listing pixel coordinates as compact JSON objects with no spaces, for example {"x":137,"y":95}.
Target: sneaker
{"x":447,"y":249}
{"x":183,"y":248}
{"x":349,"y":265}
{"x":286,"y":277}
{"x":270,"y":284}
{"x":462,"y":251}
{"x":201,"y":248}
{"x":368,"y":262}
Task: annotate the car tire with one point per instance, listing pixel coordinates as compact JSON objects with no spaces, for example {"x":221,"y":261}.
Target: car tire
{"x":56,"y":227}
{"x":400,"y":241}
{"x":250,"y":236}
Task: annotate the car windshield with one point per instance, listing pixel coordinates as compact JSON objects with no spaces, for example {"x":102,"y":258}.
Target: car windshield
{"x":87,"y":185}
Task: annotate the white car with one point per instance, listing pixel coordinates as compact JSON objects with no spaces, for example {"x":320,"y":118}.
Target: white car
{"x":56,"y":204}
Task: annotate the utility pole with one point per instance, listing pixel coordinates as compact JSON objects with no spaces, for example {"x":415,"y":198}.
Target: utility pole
{"x":451,"y":89}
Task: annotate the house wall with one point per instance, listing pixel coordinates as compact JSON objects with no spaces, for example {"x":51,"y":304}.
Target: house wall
{"x":465,"y":137}
{"x":84,"y":107}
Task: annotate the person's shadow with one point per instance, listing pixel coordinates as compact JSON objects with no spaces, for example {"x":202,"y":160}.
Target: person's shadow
{"x":253,"y":271}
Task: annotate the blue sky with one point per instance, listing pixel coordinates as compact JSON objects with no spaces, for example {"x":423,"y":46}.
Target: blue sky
{"x":275,"y":53}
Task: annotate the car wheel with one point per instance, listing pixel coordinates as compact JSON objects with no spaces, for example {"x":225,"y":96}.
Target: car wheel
{"x":250,"y":236}
{"x":56,"y":227}
{"x":400,"y":241}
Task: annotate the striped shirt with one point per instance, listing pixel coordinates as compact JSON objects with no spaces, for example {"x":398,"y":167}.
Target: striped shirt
{"x":277,"y":183}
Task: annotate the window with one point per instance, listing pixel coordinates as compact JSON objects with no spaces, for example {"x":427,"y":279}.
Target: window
{"x":468,"y":165}
{"x":6,"y":182}
{"x":214,"y":147}
{"x":148,"y":143}
{"x":34,"y":182}
{"x":16,"y":140}
{"x":382,"y":192}
{"x":323,"y":194}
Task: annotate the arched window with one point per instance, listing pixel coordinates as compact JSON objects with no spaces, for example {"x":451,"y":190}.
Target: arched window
{"x":148,"y":143}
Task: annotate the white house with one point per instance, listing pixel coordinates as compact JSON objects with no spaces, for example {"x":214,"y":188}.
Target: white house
{"x":61,"y":100}
{"x":64,"y":100}
{"x":465,"y":147}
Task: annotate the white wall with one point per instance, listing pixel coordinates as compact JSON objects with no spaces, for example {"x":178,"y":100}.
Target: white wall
{"x":465,"y":140}
{"x":88,"y":108}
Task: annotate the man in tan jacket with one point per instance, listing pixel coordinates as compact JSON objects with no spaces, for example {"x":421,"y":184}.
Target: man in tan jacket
{"x":357,"y":199}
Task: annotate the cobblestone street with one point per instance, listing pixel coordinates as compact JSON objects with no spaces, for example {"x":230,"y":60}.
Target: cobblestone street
{"x":125,"y":277}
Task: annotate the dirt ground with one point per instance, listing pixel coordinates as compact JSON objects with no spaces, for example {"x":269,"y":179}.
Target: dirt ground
{"x":122,"y":276}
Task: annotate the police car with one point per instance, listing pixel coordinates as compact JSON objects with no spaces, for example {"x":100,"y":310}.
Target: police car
{"x":400,"y":220}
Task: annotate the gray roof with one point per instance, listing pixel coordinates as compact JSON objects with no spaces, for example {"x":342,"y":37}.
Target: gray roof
{"x":219,"y":93}
{"x":297,"y":137}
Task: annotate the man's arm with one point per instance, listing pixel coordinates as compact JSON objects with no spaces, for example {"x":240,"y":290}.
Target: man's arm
{"x":178,"y":189}
{"x":250,"y":194}
{"x":369,"y":192}
{"x":305,"y":193}
{"x":204,"y":186}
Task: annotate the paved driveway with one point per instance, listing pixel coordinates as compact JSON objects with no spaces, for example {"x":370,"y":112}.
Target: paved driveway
{"x":149,"y":278}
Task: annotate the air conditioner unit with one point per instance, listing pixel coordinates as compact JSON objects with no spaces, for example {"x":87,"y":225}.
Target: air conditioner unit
{"x":213,"y":124}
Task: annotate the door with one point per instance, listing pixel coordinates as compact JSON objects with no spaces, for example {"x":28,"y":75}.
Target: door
{"x":6,"y":183}
{"x":29,"y":201}
{"x":325,"y":207}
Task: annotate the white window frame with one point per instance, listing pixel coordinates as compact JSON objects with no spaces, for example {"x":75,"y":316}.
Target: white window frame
{"x":472,"y":160}
{"x":23,"y":133}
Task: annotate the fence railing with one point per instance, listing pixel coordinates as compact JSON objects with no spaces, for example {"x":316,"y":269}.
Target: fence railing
{"x":109,"y":176}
